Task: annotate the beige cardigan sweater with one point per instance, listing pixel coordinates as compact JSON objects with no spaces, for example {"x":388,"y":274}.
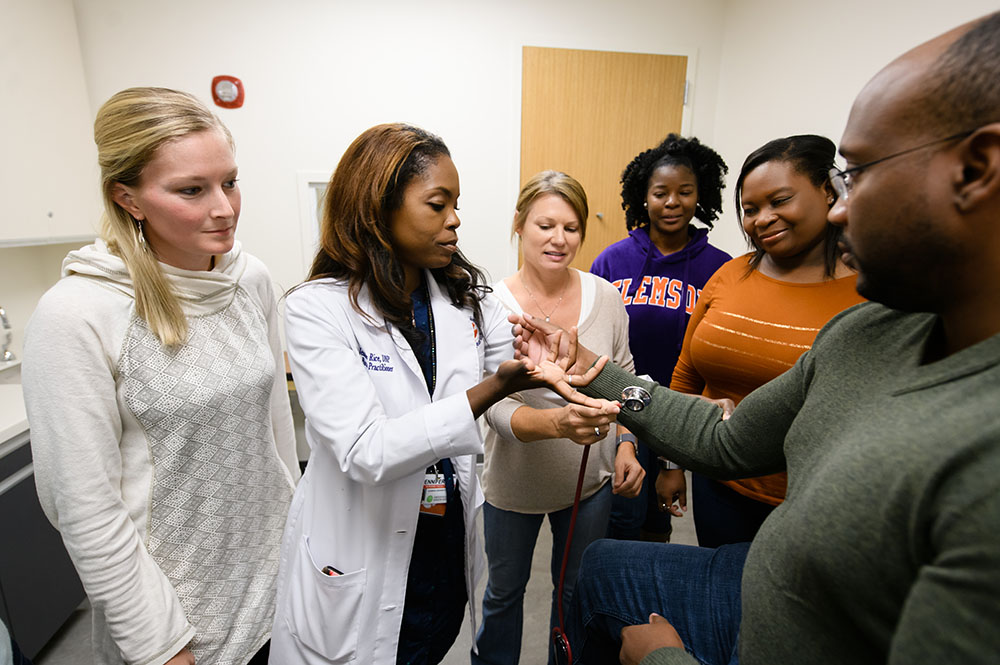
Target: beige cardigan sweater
{"x":540,"y":476}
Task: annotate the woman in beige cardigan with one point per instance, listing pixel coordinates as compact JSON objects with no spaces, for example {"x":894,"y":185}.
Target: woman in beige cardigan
{"x":532,"y":461}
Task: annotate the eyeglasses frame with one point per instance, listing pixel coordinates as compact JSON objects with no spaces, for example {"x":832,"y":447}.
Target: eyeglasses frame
{"x":841,"y":178}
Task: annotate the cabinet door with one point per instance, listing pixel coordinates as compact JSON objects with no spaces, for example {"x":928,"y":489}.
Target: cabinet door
{"x":48,"y":170}
{"x":39,"y":584}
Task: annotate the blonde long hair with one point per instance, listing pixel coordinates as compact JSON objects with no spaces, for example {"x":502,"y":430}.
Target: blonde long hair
{"x":129,"y":130}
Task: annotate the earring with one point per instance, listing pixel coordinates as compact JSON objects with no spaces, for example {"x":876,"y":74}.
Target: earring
{"x":140,"y":237}
{"x":645,"y":204}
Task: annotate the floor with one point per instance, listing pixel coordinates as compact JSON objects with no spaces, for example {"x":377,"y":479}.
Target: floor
{"x":71,"y":646}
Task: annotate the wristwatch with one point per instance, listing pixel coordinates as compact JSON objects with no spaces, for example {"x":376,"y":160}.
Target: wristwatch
{"x":622,"y":438}
{"x":667,"y":465}
{"x":635,"y":398}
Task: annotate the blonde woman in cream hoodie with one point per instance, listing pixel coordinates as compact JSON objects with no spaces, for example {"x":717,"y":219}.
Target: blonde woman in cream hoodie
{"x":160,"y":425}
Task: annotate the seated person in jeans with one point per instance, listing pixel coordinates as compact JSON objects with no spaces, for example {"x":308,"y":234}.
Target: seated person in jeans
{"x":886,"y":548}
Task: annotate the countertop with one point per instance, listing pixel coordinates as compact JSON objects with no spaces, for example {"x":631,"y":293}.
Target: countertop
{"x":9,"y":368}
{"x":13,"y":420}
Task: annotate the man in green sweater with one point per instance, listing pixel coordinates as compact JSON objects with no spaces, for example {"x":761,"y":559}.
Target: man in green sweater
{"x":887,"y":548}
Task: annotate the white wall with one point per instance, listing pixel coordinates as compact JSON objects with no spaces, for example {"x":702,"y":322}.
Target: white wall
{"x":318,"y":72}
{"x":794,"y":67}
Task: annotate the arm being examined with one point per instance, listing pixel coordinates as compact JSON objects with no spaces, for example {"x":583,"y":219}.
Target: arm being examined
{"x":691,"y":432}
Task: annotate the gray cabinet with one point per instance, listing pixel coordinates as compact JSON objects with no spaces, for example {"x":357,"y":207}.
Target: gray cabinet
{"x":39,"y":587}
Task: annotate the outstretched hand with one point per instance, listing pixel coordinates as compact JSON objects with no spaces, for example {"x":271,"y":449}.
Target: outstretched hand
{"x":552,"y":369}
{"x":540,"y":340}
{"x":549,"y":370}
{"x":531,"y":342}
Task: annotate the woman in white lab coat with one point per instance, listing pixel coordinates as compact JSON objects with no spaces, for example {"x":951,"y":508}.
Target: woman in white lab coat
{"x":389,"y":340}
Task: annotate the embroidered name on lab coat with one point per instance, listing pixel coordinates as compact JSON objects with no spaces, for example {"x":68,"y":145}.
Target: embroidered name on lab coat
{"x":375,"y":362}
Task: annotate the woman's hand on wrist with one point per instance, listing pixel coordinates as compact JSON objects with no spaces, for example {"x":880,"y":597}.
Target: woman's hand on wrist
{"x":584,"y":424}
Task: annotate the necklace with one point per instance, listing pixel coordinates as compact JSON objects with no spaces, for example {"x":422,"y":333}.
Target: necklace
{"x":548,"y":316}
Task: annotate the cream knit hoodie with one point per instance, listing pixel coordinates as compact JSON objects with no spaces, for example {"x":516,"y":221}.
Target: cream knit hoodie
{"x":168,"y":472}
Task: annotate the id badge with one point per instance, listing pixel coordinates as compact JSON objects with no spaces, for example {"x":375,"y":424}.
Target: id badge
{"x":434,"y":500}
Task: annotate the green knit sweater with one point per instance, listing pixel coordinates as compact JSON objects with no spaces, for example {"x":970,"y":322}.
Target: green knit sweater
{"x":887,"y":548}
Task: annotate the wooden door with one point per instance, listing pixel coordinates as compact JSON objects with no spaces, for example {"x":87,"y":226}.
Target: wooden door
{"x":588,"y":113}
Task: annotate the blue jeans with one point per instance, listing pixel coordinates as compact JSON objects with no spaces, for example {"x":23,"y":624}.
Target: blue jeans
{"x":630,"y":517}
{"x":694,"y":588}
{"x":510,"y":543}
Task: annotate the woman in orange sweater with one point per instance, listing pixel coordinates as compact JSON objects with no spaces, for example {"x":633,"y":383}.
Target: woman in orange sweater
{"x":761,"y":311}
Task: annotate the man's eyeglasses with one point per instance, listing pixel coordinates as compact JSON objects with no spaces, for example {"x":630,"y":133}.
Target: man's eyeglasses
{"x":843,"y":181}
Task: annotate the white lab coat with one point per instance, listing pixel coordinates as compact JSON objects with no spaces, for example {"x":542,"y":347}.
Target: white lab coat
{"x":372,"y":429}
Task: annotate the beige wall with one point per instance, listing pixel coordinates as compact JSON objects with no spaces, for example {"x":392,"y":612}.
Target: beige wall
{"x":795,"y":66}
{"x":318,"y":72}
{"x":25,"y":274}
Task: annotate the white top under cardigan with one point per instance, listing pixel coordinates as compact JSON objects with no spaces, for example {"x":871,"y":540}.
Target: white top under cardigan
{"x":168,"y":472}
{"x":373,"y":429}
{"x":540,"y":476}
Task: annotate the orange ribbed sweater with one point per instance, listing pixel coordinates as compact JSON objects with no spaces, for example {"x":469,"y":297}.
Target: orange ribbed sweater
{"x":746,"y":330}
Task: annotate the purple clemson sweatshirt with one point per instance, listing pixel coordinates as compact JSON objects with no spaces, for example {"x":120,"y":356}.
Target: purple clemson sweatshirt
{"x":659,"y":293}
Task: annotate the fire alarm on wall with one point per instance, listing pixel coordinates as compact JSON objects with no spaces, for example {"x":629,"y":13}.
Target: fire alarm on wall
{"x":227,"y":92}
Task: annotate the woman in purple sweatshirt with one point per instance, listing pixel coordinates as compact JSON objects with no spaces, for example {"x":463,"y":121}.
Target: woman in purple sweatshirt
{"x":660,"y":269}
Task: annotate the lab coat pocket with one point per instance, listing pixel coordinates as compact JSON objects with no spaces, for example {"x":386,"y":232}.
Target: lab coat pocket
{"x":324,"y":611}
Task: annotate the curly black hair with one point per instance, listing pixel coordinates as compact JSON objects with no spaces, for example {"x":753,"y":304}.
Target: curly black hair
{"x":708,"y":167}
